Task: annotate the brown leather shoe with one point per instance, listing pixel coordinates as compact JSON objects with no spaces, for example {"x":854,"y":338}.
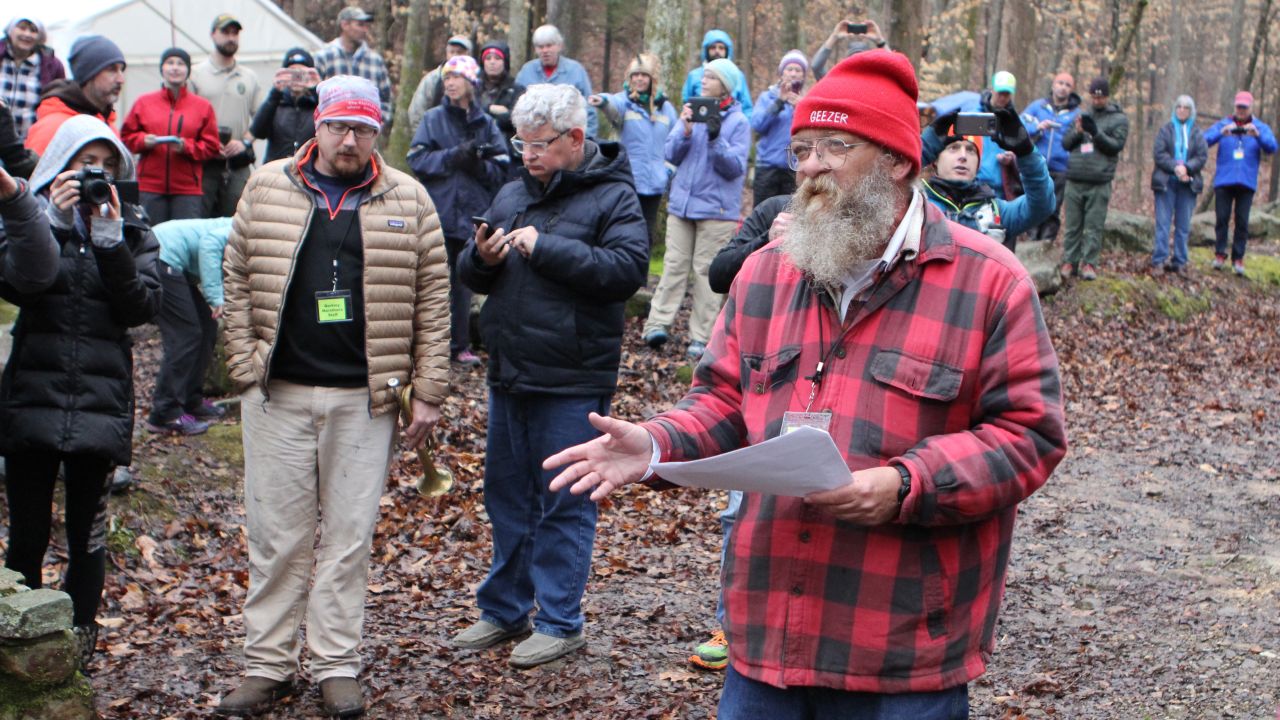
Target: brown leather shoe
{"x":343,"y":697}
{"x":255,"y":696}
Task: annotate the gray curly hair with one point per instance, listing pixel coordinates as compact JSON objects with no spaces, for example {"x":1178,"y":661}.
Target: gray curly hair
{"x":560,"y":106}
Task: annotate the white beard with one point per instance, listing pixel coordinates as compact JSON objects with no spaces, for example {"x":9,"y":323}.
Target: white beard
{"x":833,"y":231}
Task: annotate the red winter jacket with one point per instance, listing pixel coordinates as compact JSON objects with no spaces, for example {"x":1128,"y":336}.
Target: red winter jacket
{"x":167,"y":169}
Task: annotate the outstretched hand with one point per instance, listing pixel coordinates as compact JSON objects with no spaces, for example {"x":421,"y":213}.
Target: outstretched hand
{"x":943,"y":123}
{"x":1011,"y":134}
{"x":618,"y":457}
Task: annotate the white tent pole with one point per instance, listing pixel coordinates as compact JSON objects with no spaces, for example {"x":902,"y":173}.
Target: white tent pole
{"x":173,"y":28}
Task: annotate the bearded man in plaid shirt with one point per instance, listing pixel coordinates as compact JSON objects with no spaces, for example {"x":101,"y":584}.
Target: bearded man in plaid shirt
{"x":923,"y":346}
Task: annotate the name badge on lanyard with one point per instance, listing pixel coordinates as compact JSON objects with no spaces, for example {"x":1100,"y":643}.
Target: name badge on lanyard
{"x":1086,"y":147}
{"x":333,"y":306}
{"x":795,"y":420}
{"x":1239,"y":152}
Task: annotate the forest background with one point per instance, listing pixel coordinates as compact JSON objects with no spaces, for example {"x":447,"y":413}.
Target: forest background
{"x":1152,"y":50}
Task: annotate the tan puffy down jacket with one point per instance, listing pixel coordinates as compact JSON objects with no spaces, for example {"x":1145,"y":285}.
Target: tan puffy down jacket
{"x":406,"y":279}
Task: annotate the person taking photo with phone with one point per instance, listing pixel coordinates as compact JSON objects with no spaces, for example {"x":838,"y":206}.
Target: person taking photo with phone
{"x":772,"y":121}
{"x":72,"y":364}
{"x":1242,"y":138}
{"x":709,"y":149}
{"x":174,"y":131}
{"x":285,"y":118}
{"x":1050,"y":118}
{"x":847,"y":38}
{"x":1095,"y":142}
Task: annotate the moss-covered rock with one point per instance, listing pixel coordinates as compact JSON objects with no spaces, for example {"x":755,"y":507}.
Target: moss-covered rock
{"x":20,"y":700}
{"x":47,"y":660}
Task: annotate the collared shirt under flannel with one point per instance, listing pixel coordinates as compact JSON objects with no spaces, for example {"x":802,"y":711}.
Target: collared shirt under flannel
{"x":946,"y":369}
{"x":333,"y":60}
{"x":20,"y":89}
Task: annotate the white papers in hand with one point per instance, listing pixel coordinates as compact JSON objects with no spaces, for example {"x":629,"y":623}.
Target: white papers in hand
{"x":800,"y":462}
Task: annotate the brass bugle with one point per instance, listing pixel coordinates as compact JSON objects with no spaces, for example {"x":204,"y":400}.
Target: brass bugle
{"x":435,"y":480}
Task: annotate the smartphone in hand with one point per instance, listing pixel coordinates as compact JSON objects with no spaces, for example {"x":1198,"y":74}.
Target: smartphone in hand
{"x":479,"y":220}
{"x":975,"y":123}
{"x":856,"y":28}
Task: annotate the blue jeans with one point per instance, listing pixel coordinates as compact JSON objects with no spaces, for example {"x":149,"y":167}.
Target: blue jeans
{"x":1176,"y":204}
{"x":541,"y":540}
{"x":747,"y":699}
{"x":727,"y":519}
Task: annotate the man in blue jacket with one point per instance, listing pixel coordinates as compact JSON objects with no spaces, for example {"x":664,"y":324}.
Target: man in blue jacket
{"x":1241,"y":139}
{"x":567,"y":249}
{"x":1049,"y":118}
{"x":773,"y":124}
{"x":716,"y":45}
{"x":551,"y":66}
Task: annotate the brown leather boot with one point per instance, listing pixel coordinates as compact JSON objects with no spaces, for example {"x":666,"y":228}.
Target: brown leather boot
{"x":343,"y":697}
{"x":255,"y":696}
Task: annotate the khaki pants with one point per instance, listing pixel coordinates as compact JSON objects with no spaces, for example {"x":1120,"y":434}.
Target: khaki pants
{"x":312,"y":455}
{"x":691,"y":244}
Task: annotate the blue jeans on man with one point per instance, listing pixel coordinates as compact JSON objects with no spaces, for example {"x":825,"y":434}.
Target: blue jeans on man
{"x":542,"y":540}
{"x":747,"y":699}
{"x":1174,"y":204}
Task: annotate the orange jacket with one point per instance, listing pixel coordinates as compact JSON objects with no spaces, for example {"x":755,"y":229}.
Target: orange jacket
{"x":50,"y":114}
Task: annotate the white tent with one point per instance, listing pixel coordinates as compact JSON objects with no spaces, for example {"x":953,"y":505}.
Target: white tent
{"x":143,"y":30}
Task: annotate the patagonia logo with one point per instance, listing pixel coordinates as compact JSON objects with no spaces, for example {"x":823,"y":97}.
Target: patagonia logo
{"x":395,"y":223}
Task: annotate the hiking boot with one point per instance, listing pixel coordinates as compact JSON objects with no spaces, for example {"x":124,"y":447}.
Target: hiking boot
{"x":485,"y":634}
{"x":1067,"y":270}
{"x":712,"y":654}
{"x":207,"y":410}
{"x":343,"y":697}
{"x":1237,"y":266}
{"x":1219,"y":262}
{"x":695,"y":350}
{"x":86,"y":644}
{"x":1088,"y":273}
{"x":538,"y":649}
{"x":655,"y":338}
{"x":466,"y":358}
{"x":184,"y":425}
{"x":255,"y":696}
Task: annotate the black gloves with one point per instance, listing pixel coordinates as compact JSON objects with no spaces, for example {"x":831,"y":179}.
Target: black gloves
{"x":713,"y":127}
{"x":463,"y":156}
{"x":1010,"y":134}
{"x":943,"y":123}
{"x":1088,"y":124}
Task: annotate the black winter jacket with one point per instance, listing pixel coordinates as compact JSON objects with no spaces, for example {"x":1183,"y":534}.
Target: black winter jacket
{"x":445,"y":155}
{"x":286,"y":121}
{"x":753,"y":235}
{"x":68,"y":385}
{"x":553,"y":323}
{"x":1165,"y":167}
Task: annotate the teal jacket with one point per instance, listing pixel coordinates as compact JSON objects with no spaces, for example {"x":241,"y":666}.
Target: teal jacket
{"x":195,"y":248}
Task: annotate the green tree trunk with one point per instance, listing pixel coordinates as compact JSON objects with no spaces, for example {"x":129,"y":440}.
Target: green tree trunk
{"x":666,"y":28}
{"x":410,"y":74}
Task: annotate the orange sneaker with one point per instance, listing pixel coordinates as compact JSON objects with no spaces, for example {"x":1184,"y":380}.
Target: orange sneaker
{"x":712,"y":654}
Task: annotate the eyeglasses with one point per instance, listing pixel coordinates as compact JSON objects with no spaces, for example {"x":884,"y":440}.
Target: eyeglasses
{"x":340,"y":129}
{"x":831,"y":152}
{"x":536,"y":147}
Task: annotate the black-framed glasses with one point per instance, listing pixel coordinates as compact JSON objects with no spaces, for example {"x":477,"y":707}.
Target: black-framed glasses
{"x":830,"y":151}
{"x":340,"y":129}
{"x":537,"y":147}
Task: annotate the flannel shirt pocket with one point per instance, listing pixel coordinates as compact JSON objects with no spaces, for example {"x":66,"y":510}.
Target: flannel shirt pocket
{"x":917,"y":376}
{"x":762,"y":374}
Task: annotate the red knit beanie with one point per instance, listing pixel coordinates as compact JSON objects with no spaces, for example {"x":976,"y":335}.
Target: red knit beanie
{"x":871,"y":94}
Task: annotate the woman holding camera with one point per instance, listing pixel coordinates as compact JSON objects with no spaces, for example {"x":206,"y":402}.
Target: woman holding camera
{"x":772,"y":121}
{"x":461,"y":158}
{"x":286,"y":118}
{"x":709,"y":149}
{"x":66,"y":397}
{"x":174,"y":132}
{"x":644,"y":117}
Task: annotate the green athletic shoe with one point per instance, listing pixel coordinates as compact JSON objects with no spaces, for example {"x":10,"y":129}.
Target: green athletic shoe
{"x":712,"y":654}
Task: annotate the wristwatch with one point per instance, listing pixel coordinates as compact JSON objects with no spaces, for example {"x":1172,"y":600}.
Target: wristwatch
{"x":905,"y":488}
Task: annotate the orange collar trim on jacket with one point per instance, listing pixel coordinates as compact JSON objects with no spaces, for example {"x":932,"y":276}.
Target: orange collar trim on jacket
{"x":307,"y":157}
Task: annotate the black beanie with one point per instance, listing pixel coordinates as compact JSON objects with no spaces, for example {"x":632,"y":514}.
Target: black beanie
{"x":179,"y":53}
{"x":298,"y":56}
{"x":90,"y":55}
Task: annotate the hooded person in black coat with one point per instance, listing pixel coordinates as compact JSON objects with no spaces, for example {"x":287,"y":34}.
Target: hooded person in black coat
{"x":499,"y":92}
{"x":66,"y":397}
{"x":287,"y":117}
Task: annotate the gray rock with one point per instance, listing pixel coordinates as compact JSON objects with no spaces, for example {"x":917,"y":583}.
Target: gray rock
{"x":638,"y":304}
{"x":70,"y":701}
{"x":1262,"y":224}
{"x":34,"y":613}
{"x":48,"y":660}
{"x":11,"y":581}
{"x":1129,"y":232}
{"x":1041,"y":259}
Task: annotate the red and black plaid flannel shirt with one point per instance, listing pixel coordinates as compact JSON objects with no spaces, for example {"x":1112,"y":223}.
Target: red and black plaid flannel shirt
{"x":948,"y":370}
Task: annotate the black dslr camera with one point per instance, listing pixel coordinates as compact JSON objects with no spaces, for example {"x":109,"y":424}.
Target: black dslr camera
{"x":488,"y":150}
{"x":95,"y":187}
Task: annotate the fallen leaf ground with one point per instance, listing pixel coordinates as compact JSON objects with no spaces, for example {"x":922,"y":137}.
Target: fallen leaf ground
{"x":1145,"y":577}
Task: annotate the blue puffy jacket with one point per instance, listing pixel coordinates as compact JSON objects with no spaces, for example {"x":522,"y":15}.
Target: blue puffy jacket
{"x":709,"y":175}
{"x":693,"y":81}
{"x":1239,"y":155}
{"x":644,"y":135}
{"x":1049,"y":141}
{"x":1015,"y":216}
{"x":195,"y":248}
{"x":774,"y":126}
{"x":568,"y":72}
{"x":460,"y":184}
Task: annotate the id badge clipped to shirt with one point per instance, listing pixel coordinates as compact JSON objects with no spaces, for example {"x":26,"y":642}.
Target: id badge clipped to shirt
{"x":796,"y":420}
{"x":1239,"y":153}
{"x":1086,"y":147}
{"x":333,"y":306}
